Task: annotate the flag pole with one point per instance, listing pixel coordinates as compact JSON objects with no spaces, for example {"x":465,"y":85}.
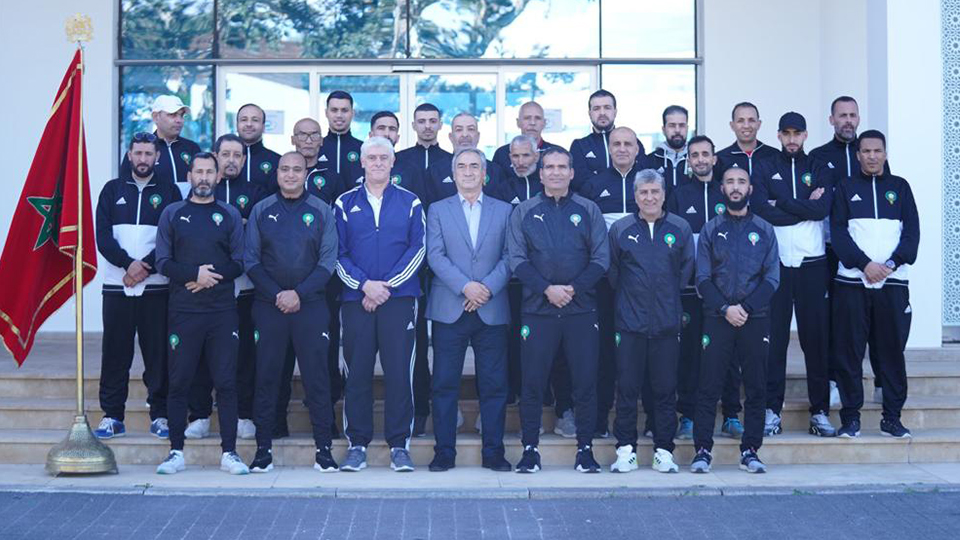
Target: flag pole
{"x":81,"y":452}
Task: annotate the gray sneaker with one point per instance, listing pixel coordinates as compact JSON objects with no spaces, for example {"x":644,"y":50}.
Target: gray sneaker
{"x":356,"y":459}
{"x":400,"y":460}
{"x":566,"y":426}
{"x":820,"y":425}
{"x":701,"y":462}
{"x":771,"y":424}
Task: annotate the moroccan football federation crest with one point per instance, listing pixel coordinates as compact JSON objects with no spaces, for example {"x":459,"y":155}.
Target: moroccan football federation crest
{"x":266,"y":167}
{"x":616,"y":338}
{"x":524,"y":332}
{"x":174,"y":341}
{"x":575,"y":219}
{"x":185,"y":156}
{"x":242,"y":201}
{"x":891,"y":197}
{"x":352,"y":156}
{"x":720,"y":208}
{"x":753,"y":238}
{"x":217,"y":218}
{"x":669,"y":239}
{"x":155,"y":200}
{"x":807,"y":179}
{"x":319,"y":182}
{"x":685,"y":319}
{"x":308,"y":218}
{"x":395,"y":179}
{"x":705,"y":341}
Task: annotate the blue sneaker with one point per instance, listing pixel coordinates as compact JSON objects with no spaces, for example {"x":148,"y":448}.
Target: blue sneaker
{"x":732,"y":428}
{"x":159,"y":428}
{"x":110,"y":428}
{"x":685,"y":431}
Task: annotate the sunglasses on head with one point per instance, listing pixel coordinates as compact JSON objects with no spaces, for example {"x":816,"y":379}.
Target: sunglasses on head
{"x":143,"y":136}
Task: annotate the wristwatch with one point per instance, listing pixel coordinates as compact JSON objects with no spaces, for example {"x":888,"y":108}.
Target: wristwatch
{"x":723,"y":309}
{"x":890,"y":264}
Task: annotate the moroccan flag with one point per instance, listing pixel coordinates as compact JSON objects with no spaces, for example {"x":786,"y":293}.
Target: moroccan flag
{"x":37,"y":265}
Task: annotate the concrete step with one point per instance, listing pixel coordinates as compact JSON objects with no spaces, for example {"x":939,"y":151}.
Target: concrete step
{"x":139,"y":448}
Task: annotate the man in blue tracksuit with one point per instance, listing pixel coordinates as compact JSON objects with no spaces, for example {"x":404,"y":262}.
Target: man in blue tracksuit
{"x":174,"y":151}
{"x":793,"y":193}
{"x":591,"y":154}
{"x":260,"y":163}
{"x":381,"y":231}
{"x":746,"y":151}
{"x":651,"y":260}
{"x":290,"y":252}
{"x":670,"y":158}
{"x":738,"y":271}
{"x":558,"y":248}
{"x":876,"y":232}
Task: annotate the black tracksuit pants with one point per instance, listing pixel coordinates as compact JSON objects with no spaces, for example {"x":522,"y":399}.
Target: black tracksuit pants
{"x":200,"y":403}
{"x":305,"y":330}
{"x":886,"y":313}
{"x":215,"y":337}
{"x":723,"y":345}
{"x":607,"y":363}
{"x":421,"y":366}
{"x":833,"y":261}
{"x":578,"y":335}
{"x":641,"y":358}
{"x":805,"y":289}
{"x":391,"y":331}
{"x":123,"y":318}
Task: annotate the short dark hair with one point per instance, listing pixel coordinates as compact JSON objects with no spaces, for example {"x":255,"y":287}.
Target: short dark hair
{"x":144,"y":137}
{"x":602,"y":93}
{"x":383,"y":114}
{"x":675,"y":109}
{"x":340,"y":94}
{"x":229,"y":137}
{"x":245,"y":105}
{"x":699,"y":139}
{"x":733,"y":112}
{"x":427,"y":107}
{"x":872,"y":134}
{"x":556,"y":150}
{"x":842,"y":99}
{"x":204,"y":155}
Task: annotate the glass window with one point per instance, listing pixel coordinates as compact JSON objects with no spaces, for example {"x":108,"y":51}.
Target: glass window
{"x":504,"y":28}
{"x":142,"y":84}
{"x":312,"y":29}
{"x":648,"y":28}
{"x":563,"y":96}
{"x":164,"y":29}
{"x":371,"y":94}
{"x":284,"y":98}
{"x":643,"y":92}
{"x":456,"y":93}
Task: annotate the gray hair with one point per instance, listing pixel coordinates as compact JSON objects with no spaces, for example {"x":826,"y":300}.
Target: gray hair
{"x":647,"y":176}
{"x":375,"y":142}
{"x":479,"y":154}
{"x":524,"y":139}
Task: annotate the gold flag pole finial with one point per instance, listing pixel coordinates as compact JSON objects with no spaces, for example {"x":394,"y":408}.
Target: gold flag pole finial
{"x":80,"y":452}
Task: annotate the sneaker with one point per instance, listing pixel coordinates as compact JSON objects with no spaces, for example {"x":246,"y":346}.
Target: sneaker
{"x":626,"y":460}
{"x":834,"y":395}
{"x":173,"y":464}
{"x":442,"y":462}
{"x":323,"y":460}
{"x":771,"y":424}
{"x":585,"y":462}
{"x":356,"y":459}
{"x":530,"y":461}
{"x":231,"y":463}
{"x":894,"y":428}
{"x":459,"y":418}
{"x":751,"y":463}
{"x":246,"y":429}
{"x":732,"y":428}
{"x":566,"y":426}
{"x":262,"y":461}
{"x":663,"y":462}
{"x":197,"y":429}
{"x":850,"y":430}
{"x":160,"y":428}
{"x":820,"y":425}
{"x":701,"y":462}
{"x":478,"y":425}
{"x":110,"y":428}
{"x":419,"y":426}
{"x":878,"y":395}
{"x":685,"y":430}
{"x":400,"y":460}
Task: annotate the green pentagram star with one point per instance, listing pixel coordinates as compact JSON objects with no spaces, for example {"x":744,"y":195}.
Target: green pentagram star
{"x":49,"y":210}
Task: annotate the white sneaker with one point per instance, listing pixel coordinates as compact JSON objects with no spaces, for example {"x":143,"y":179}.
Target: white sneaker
{"x":626,"y":460}
{"x":663,"y":462}
{"x":878,"y":395}
{"x":834,"y":394}
{"x":173,"y":464}
{"x":245,"y":429}
{"x":231,"y":463}
{"x":566,"y":425}
{"x":459,"y":418}
{"x":197,"y":429}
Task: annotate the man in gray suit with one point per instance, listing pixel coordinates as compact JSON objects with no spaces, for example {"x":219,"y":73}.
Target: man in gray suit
{"x":467,"y":251}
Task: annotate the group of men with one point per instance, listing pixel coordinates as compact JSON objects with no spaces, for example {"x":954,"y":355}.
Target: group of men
{"x":591,"y":278}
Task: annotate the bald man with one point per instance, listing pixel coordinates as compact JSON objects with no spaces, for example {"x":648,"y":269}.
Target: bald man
{"x":531,"y":120}
{"x":464,"y":133}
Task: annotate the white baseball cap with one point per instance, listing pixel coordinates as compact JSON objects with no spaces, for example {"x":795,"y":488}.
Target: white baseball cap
{"x":169,"y":104}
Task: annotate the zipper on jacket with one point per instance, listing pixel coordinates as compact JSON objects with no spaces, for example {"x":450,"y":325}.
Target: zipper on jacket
{"x":706,"y":205}
{"x":846,"y":150}
{"x":876,"y":214}
{"x":426,"y":158}
{"x":249,"y":164}
{"x":526,"y":181}
{"x":338,"y":153}
{"x":623,"y":192}
{"x":173,"y":165}
{"x":606,"y":149}
{"x":793,"y":176}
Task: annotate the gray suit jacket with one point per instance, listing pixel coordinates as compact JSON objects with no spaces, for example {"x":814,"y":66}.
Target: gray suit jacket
{"x":455,"y":262}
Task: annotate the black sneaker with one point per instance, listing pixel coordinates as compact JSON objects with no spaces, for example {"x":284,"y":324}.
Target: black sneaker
{"x":324,"y":461}
{"x":850,"y":430}
{"x":263,"y":461}
{"x":894,"y":428}
{"x":701,"y":462}
{"x":751,"y":463}
{"x":530,"y":462}
{"x":585,"y":462}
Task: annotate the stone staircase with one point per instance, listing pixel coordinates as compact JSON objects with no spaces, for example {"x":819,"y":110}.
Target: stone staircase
{"x":37,"y":405}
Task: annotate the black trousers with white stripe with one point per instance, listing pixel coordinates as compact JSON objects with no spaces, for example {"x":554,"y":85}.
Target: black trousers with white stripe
{"x":390,"y":331}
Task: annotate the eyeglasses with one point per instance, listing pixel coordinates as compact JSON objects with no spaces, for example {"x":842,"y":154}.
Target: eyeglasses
{"x":304,"y":137}
{"x":143,"y":136}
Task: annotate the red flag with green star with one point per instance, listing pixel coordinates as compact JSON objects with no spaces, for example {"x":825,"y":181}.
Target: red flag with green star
{"x":36,"y":268}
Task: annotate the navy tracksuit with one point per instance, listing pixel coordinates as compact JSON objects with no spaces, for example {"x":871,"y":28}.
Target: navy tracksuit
{"x":204,"y":323}
{"x":591,"y":155}
{"x":342,"y":153}
{"x":388,"y":246}
{"x":260,"y":167}
{"x":558,"y":242}
{"x":502,"y":156}
{"x":422,"y":157}
{"x":670,"y":163}
{"x":733,"y":156}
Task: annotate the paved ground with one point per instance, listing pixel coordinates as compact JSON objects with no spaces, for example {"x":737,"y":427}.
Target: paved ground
{"x":51,"y":516}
